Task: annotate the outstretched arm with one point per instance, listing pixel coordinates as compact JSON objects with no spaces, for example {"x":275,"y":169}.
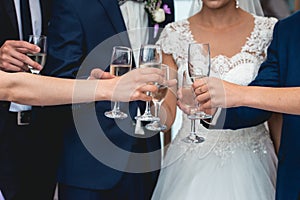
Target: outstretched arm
{"x":218,"y":93}
{"x":41,"y":90}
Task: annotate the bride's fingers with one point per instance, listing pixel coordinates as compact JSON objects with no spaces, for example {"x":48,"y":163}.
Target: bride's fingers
{"x":202,"y":89}
{"x":203,"y":97}
{"x":200,"y":82}
{"x":182,"y":107}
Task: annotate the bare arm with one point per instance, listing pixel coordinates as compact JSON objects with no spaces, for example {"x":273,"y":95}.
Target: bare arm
{"x":41,"y":90}
{"x":212,"y":92}
{"x":283,"y":100}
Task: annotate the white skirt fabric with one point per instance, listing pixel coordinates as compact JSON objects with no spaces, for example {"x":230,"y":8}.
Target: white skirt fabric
{"x":229,"y":165}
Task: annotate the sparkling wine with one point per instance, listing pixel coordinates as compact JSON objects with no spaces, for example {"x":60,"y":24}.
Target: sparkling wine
{"x":188,"y":97}
{"x":119,"y":70}
{"x":39,"y":58}
{"x":160,"y":94}
{"x":152,"y":65}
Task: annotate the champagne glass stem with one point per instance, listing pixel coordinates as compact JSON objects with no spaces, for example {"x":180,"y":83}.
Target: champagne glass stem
{"x":147,"y":110}
{"x":156,"y":125}
{"x":116,"y":107}
{"x":193,"y":137}
{"x":157,"y":108}
{"x":193,"y":128}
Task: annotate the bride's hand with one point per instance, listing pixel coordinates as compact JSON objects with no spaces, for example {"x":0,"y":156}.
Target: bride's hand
{"x":182,"y":106}
{"x":212,"y":92}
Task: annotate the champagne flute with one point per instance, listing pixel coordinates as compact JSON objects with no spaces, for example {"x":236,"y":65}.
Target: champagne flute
{"x":150,"y":56}
{"x":40,"y":57}
{"x":158,"y":98}
{"x":188,"y":100}
{"x":199,"y":66}
{"x":121,"y":61}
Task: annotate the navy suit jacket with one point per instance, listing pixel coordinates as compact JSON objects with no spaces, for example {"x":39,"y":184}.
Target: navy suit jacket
{"x":76,"y":28}
{"x":282,"y":68}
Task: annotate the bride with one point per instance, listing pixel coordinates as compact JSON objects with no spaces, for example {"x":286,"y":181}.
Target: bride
{"x":229,"y":164}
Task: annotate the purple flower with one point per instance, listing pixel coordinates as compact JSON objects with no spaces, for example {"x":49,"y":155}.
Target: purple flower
{"x":156,"y":28}
{"x":166,"y":9}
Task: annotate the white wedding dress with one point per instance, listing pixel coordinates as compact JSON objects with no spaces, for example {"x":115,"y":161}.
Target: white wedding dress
{"x":230,"y":164}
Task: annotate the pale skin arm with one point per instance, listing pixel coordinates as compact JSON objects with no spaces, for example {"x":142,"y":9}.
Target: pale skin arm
{"x":13,"y":56}
{"x":213,"y":92}
{"x":41,"y":90}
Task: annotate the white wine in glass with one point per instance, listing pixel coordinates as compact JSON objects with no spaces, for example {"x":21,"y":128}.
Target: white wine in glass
{"x":150,"y":56}
{"x":199,"y":66}
{"x":40,"y":57}
{"x":121,"y":62}
{"x":189,"y":102}
{"x":158,"y":98}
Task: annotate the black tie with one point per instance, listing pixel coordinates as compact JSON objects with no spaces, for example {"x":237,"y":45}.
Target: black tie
{"x":123,"y":1}
{"x":26,"y":19}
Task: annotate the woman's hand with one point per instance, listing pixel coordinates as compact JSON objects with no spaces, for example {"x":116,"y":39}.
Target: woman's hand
{"x":213,"y":92}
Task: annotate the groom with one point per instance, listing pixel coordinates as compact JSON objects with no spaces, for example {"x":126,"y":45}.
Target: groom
{"x":75,"y":29}
{"x":281,"y":69}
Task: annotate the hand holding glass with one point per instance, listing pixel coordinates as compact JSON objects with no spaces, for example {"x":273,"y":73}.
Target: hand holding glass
{"x":150,"y":56}
{"x":187,"y":98}
{"x":199,"y":66}
{"x":40,"y":57}
{"x":121,"y":61}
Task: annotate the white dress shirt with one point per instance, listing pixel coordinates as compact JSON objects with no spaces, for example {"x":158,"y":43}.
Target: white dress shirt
{"x":36,"y":18}
{"x":136,"y":22}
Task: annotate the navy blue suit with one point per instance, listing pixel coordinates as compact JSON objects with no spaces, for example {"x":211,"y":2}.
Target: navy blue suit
{"x":282,"y":68}
{"x":76,"y":28}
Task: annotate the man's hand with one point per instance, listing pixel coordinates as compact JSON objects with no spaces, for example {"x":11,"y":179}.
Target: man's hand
{"x":100,"y":74}
{"x":13,"y":56}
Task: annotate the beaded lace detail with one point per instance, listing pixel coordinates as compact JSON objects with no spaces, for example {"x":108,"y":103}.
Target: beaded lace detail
{"x":177,"y":35}
{"x":241,"y":69}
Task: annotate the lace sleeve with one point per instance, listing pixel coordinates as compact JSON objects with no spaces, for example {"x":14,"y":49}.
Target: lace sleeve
{"x":174,"y":39}
{"x":261,"y":37}
{"x":164,"y":40}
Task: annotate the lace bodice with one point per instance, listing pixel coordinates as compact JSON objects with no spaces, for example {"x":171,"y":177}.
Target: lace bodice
{"x":241,"y":69}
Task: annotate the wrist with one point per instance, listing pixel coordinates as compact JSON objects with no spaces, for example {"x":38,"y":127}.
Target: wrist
{"x":104,"y":90}
{"x":241,"y":96}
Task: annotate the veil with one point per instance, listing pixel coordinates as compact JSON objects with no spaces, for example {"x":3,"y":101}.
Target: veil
{"x":251,"y":6}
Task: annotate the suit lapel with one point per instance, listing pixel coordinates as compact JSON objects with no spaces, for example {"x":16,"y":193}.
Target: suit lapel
{"x":11,"y":11}
{"x":113,"y":12}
